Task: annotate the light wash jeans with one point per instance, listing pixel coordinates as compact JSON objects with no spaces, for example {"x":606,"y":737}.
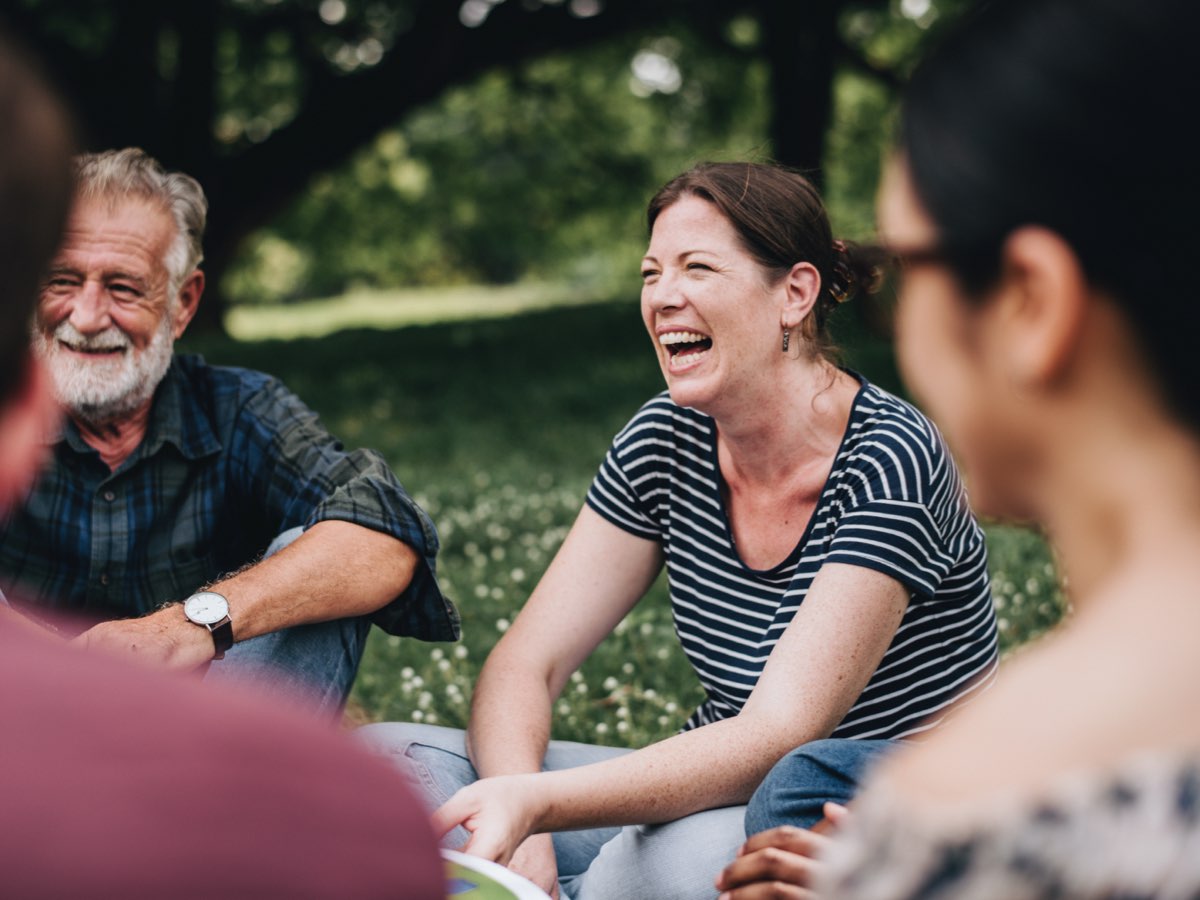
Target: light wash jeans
{"x":678,"y":859}
{"x":312,"y":666}
{"x":796,"y":789}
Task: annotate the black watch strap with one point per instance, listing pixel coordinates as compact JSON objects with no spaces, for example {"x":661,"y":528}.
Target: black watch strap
{"x":222,"y":635}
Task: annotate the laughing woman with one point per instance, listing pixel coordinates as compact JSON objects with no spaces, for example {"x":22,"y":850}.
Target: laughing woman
{"x":826,"y":576}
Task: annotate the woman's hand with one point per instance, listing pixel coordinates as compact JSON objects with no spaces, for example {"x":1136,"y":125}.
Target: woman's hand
{"x":779,"y":864}
{"x":499,"y":812}
{"x":535,"y":861}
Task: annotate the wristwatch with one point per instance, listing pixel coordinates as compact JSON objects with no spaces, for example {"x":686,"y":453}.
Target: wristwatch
{"x":210,"y":610}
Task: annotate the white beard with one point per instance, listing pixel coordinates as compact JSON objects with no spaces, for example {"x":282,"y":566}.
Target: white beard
{"x":99,"y":390}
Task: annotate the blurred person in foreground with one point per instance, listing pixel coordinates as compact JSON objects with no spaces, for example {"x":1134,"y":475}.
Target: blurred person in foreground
{"x":117,"y":782}
{"x":1046,"y":225}
{"x":827,"y":578}
{"x":196,"y":514}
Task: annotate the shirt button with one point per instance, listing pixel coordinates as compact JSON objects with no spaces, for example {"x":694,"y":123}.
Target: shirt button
{"x":104,"y":578}
{"x":110,"y":496}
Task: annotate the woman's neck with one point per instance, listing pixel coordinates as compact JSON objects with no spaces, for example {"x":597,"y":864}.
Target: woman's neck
{"x":801,"y":423}
{"x":1123,"y":492}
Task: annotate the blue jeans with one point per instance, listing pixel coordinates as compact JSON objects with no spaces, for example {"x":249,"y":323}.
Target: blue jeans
{"x":314,"y":665}
{"x":797,"y":788}
{"x":678,"y":859}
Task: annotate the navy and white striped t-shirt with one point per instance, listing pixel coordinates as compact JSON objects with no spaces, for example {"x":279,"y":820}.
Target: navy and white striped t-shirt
{"x":893,"y":502}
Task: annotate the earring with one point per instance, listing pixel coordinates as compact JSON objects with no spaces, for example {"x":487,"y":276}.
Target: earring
{"x":787,"y":336}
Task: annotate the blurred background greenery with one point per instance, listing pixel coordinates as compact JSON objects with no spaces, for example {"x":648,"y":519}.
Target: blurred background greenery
{"x":351,"y":145}
{"x":427,"y":216}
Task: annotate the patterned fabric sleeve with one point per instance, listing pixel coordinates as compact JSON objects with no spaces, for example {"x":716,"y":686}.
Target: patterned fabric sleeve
{"x":303,"y":475}
{"x":903,"y":512}
{"x":630,"y":481}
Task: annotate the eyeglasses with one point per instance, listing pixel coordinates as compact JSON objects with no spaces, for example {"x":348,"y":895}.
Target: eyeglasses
{"x":889,"y":264}
{"x":889,"y":260}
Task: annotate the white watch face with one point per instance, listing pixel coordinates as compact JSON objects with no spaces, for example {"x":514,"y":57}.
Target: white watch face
{"x":206,"y":608}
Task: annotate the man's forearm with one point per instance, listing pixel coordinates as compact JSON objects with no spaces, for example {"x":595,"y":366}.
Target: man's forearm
{"x":334,"y":570}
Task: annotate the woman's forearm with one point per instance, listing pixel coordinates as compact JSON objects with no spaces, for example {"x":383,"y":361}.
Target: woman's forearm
{"x":718,"y":765}
{"x":510,"y":720}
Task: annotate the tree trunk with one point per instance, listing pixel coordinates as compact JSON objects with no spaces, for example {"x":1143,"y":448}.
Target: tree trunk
{"x":800,"y":41}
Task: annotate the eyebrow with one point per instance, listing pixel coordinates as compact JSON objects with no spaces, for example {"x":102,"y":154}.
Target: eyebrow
{"x":649,"y":258}
{"x":62,"y":268}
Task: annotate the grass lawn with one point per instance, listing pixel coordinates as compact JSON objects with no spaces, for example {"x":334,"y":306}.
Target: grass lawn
{"x":496,"y":426}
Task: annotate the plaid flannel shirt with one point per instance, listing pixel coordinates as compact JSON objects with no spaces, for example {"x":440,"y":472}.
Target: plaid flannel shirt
{"x":231,"y":458}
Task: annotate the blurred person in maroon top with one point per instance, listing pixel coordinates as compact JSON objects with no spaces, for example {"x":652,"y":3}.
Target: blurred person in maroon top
{"x":120,"y":780}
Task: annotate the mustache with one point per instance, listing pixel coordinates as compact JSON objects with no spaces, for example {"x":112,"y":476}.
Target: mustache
{"x":111,"y":338}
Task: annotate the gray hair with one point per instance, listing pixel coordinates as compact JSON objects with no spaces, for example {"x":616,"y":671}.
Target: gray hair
{"x":133,"y":172}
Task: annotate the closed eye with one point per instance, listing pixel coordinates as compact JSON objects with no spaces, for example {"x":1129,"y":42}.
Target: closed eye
{"x":125,"y":291}
{"x":58,"y":282}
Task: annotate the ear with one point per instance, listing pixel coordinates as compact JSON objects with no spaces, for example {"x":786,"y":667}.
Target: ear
{"x":1045,"y":303}
{"x":189,"y":302}
{"x":801,"y":287}
{"x":29,"y":416}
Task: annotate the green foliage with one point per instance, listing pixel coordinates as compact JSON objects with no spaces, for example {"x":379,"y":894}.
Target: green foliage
{"x":543,"y":170}
{"x":497,"y":427}
{"x":539,"y":171}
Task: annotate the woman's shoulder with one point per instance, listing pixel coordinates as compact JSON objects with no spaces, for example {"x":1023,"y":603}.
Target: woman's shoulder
{"x":890,"y":440}
{"x":1127,"y":829}
{"x":881,"y":416}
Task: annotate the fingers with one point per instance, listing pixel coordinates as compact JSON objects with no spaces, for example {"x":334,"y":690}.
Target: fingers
{"x":493,"y":835}
{"x":836,"y":814}
{"x":802,"y":841}
{"x":484,"y":845}
{"x":768,"y":890}
{"x":769,"y":864}
{"x":769,"y":872}
{"x":778,"y":863}
{"x":455,"y":811}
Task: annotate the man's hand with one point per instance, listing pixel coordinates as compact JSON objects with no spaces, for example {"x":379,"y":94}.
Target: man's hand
{"x":535,"y":861}
{"x":779,"y":864}
{"x":164,"y":638}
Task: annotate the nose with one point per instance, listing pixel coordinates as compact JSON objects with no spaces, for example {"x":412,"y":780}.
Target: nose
{"x":664,"y":294}
{"x":90,"y":309}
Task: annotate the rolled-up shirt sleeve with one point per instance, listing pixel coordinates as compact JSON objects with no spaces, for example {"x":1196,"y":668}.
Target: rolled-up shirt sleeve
{"x":303,"y":475}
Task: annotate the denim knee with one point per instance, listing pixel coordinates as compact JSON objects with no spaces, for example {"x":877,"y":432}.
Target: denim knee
{"x":796,"y":790}
{"x":432,"y":757}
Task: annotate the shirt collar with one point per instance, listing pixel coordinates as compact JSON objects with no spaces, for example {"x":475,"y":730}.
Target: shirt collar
{"x":177,"y":417}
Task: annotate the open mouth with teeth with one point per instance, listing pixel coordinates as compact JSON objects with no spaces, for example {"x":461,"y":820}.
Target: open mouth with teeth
{"x":93,"y":351}
{"x":685,"y":347}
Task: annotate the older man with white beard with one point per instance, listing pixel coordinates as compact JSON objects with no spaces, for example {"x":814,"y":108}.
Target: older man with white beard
{"x":171,"y":473}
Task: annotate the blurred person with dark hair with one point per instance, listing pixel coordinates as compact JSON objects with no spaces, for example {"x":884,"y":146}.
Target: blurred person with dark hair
{"x":1043,"y":214}
{"x":119,"y":782}
{"x":170,"y":474}
{"x":828,"y":583}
